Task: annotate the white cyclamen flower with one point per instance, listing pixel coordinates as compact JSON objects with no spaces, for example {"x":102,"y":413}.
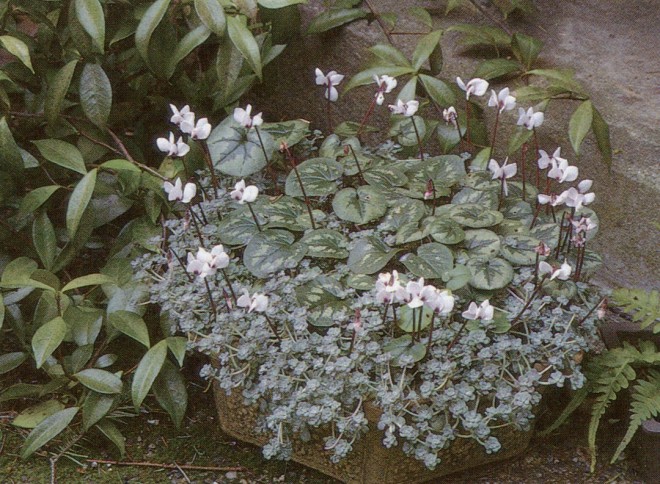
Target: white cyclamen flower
{"x":182,"y":115}
{"x":476,"y":86}
{"x":484,"y":311}
{"x":207,"y":263}
{"x":562,"y":172}
{"x":502,"y":101}
{"x":329,"y":80}
{"x":244,"y":194}
{"x":450,"y":115}
{"x":407,"y":109}
{"x":385,"y":85}
{"x":257,"y":302}
{"x":502,"y":172}
{"x":171,"y":147}
{"x":177,"y":192}
{"x":530,"y":119}
{"x":199,"y":130}
{"x":545,"y":161}
{"x":242,"y":117}
{"x":563,"y":273}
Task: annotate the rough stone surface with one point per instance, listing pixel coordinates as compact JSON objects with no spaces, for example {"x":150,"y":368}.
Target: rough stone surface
{"x":613,"y":48}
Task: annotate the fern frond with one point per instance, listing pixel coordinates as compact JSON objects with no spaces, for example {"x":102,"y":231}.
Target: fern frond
{"x":646,"y":405}
{"x":578,"y":397}
{"x":641,"y":305}
{"x":613,"y":372}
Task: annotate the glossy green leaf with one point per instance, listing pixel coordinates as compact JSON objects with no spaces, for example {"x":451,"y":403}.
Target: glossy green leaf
{"x":366,"y":76}
{"x":244,"y":41}
{"x":579,"y":124}
{"x":150,"y":20}
{"x":526,"y":48}
{"x":170,"y":390}
{"x":272,"y":251}
{"x":212,"y":14}
{"x":113,"y":434}
{"x":489,"y":274}
{"x":36,"y":198}
{"x":188,"y":43}
{"x":325,"y":243}
{"x":96,"y":407}
{"x":177,"y":345}
{"x":79,"y":200}
{"x":34,"y":415}
{"x":44,"y":239}
{"x":90,"y":15}
{"x":369,"y":255}
{"x":101,"y":381}
{"x":602,"y":132}
{"x":17,"y":48}
{"x":439,"y":92}
{"x":62,"y":153}
{"x":12,"y":360}
{"x":131,"y":324}
{"x":390,"y":55}
{"x":57,"y":90}
{"x":333,"y":18}
{"x":47,"y":338}
{"x":47,"y":430}
{"x":236,"y":151}
{"x":494,"y":68}
{"x":361,"y":205}
{"x":10,"y":154}
{"x":318,"y":176}
{"x":424,"y":48}
{"x":95,"y":94}
{"x":147,"y":371}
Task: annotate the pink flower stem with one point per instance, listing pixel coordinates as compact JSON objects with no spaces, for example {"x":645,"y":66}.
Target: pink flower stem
{"x":213,"y":306}
{"x":254,"y":216}
{"x":231,"y":288}
{"x":419,"y":140}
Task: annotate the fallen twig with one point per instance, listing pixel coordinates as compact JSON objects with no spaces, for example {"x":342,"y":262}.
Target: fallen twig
{"x":168,"y":466}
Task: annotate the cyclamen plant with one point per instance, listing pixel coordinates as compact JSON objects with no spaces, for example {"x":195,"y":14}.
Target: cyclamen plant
{"x":446,"y":297}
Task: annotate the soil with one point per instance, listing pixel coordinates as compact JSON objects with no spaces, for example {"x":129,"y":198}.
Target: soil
{"x":152,"y":438}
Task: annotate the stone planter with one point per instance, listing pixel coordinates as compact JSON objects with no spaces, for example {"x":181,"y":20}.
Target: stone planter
{"x":369,"y":462}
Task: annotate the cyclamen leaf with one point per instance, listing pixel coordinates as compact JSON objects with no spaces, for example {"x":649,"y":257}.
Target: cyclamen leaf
{"x":361,"y":205}
{"x":147,"y":371}
{"x":79,"y":200}
{"x":47,"y":338}
{"x":91,"y":17}
{"x":579,"y":124}
{"x":272,"y":251}
{"x":95,"y":94}
{"x":212,"y":14}
{"x":47,"y":430}
{"x":57,"y":90}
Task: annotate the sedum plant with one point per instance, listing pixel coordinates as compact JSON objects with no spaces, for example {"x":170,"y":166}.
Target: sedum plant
{"x":443,"y":290}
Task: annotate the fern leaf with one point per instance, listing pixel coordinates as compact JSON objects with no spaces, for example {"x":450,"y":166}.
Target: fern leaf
{"x":614,"y":373}
{"x":646,"y":405}
{"x":578,"y":397}
{"x":641,"y":305}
